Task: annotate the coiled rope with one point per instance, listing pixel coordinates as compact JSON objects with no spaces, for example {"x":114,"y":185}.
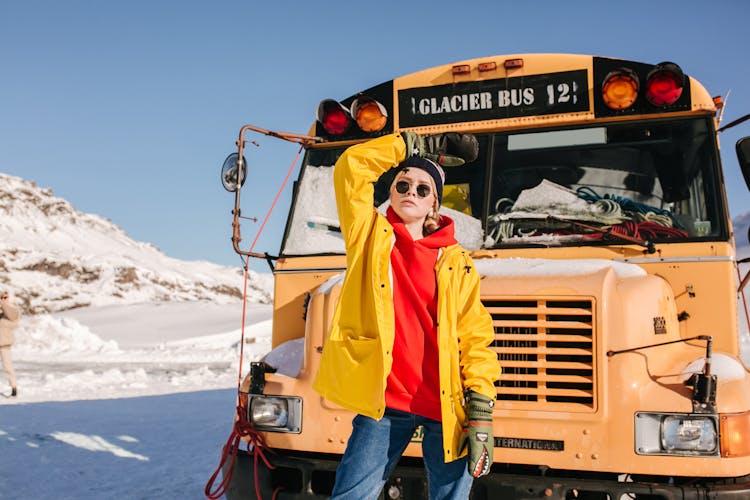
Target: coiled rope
{"x":588,"y":194}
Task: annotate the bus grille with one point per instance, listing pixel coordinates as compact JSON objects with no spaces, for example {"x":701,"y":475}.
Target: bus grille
{"x":545,"y":348}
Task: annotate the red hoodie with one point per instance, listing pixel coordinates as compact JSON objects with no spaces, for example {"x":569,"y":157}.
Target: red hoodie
{"x":414,"y":382}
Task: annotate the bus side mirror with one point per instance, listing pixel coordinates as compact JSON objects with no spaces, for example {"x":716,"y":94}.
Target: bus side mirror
{"x":743,"y":155}
{"x":233,"y":172}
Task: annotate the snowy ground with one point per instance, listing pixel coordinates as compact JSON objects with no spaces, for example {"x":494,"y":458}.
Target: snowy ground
{"x":123,"y":401}
{"x":129,"y":402}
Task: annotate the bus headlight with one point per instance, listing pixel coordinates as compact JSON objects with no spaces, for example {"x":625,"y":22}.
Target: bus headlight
{"x":688,"y":434}
{"x":276,"y":413}
{"x":676,"y":434}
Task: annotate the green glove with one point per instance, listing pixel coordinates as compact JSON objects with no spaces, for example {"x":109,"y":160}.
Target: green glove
{"x":416,"y":145}
{"x":478,"y":435}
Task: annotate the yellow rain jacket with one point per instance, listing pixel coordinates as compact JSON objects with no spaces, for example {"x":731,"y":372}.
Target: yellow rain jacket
{"x":356,"y":356}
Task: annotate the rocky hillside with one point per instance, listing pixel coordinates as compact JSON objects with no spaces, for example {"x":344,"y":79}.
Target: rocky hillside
{"x":55,"y":258}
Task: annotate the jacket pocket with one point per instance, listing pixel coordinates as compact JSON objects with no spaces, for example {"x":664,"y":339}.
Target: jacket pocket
{"x":359,"y":349}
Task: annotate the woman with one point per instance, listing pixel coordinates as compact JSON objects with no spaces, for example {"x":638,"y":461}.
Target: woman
{"x":409,"y":345}
{"x":8,"y":322}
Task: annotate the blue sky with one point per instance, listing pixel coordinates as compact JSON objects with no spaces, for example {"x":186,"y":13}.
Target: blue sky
{"x":127,"y":109}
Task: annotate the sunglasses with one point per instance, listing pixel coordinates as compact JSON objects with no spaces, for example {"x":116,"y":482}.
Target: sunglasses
{"x":423,"y":190}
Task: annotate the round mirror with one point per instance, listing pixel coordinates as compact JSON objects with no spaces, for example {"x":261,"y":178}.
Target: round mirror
{"x":233,"y":172}
{"x":743,"y":155}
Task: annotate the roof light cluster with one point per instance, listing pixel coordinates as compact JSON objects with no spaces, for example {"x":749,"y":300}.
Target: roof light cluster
{"x":365,"y":113}
{"x":622,"y":87}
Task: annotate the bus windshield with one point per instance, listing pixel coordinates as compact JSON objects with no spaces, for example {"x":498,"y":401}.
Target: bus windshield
{"x":655,"y":181}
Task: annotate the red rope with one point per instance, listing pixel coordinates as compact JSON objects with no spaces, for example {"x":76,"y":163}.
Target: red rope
{"x":647,"y":230}
{"x":242,"y":329}
{"x":260,"y":229}
{"x":247,"y":261}
{"x":242,"y":427}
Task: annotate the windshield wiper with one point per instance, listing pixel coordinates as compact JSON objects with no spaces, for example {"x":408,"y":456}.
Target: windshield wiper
{"x":648,"y":245}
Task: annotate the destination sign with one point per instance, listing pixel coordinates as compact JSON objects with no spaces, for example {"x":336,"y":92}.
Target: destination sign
{"x":530,"y":444}
{"x":564,"y":92}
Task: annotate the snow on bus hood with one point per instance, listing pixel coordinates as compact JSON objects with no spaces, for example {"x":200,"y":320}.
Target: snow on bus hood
{"x":521,"y":267}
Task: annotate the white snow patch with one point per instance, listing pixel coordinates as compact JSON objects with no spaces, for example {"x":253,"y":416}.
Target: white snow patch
{"x":287,"y":357}
{"x":726,"y":368}
{"x":95,"y":353}
{"x":95,"y":443}
{"x":315,"y":226}
{"x":520,"y":267}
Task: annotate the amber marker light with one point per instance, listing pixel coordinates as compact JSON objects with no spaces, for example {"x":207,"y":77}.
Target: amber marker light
{"x":620,"y":88}
{"x":487,"y":66}
{"x":369,"y":114}
{"x":513,"y":63}
{"x":243,"y":402}
{"x":734,"y":430}
{"x":664,"y":84}
{"x":461,"y":69}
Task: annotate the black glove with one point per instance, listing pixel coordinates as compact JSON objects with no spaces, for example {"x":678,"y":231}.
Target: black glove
{"x":430,"y":147}
{"x":478,"y":435}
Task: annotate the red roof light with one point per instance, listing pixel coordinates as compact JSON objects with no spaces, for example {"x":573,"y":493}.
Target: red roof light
{"x":664,"y":84}
{"x":334,"y":117}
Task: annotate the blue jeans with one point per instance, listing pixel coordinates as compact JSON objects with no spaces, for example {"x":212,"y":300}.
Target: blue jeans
{"x":375,"y":447}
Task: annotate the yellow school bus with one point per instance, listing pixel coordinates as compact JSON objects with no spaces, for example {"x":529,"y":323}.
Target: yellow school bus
{"x":596,"y":214}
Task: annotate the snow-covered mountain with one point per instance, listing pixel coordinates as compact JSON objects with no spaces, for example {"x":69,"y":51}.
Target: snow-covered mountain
{"x":55,"y":258}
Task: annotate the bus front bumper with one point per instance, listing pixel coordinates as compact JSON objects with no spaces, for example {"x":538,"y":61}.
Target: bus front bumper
{"x":298,"y":476}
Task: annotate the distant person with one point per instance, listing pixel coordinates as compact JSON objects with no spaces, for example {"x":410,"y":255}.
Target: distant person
{"x":410,"y":342}
{"x":8,"y":322}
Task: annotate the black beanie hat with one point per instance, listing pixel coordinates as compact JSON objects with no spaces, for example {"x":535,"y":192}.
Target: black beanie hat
{"x":432,"y":168}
